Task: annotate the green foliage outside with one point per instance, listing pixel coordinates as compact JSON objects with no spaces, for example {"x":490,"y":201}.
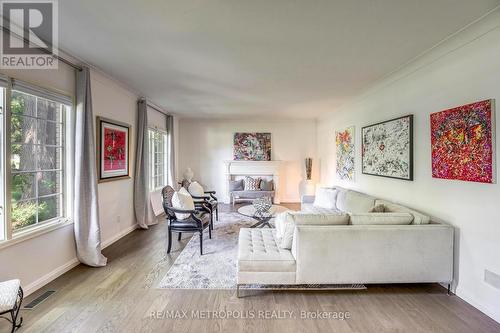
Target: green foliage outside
{"x":22,"y":185}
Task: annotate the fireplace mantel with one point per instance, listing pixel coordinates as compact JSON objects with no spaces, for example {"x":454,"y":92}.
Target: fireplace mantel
{"x":254,"y":169}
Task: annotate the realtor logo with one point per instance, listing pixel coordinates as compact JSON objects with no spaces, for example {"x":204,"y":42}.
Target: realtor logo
{"x":29,"y":34}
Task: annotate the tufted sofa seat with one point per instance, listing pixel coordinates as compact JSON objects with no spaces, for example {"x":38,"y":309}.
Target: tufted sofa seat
{"x":259,"y":256}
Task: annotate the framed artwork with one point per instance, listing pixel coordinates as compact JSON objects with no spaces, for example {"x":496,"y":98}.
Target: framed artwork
{"x":113,"y":150}
{"x":463,"y":143}
{"x":387,"y":148}
{"x":344,"y":141}
{"x":252,"y":147}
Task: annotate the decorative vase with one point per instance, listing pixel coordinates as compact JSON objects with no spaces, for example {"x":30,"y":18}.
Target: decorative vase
{"x":262,"y":205}
{"x":309,"y":162}
{"x":188,"y":175}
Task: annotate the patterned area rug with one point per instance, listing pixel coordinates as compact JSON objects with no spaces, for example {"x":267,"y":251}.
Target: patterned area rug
{"x":216,"y":268}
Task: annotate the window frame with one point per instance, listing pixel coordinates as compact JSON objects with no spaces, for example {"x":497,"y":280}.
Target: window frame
{"x":11,"y":236}
{"x":151,"y":164}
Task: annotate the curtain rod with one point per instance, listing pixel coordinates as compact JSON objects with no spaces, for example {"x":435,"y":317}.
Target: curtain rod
{"x":151,"y":105}
{"x":67,"y":62}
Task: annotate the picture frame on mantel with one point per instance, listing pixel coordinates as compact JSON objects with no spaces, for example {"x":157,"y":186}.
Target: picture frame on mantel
{"x":113,"y":150}
{"x":387,"y":148}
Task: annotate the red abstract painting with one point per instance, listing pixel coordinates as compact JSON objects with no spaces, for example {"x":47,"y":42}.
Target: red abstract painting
{"x":115,"y":149}
{"x":462,"y":143}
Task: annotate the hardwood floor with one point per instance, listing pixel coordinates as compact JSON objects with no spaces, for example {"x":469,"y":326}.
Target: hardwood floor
{"x":122,"y":297}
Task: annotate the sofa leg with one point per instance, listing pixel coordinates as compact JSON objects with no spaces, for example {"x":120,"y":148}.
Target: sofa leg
{"x":238,"y":291}
{"x":449,"y":289}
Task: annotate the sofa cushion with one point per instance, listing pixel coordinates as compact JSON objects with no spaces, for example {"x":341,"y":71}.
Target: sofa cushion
{"x":303,"y":218}
{"x":196,"y":189}
{"x":252,"y":184}
{"x":252,"y":194}
{"x":259,"y":252}
{"x":286,"y":222}
{"x":310,"y":208}
{"x":236,"y":185}
{"x":354,"y":202}
{"x":182,"y":200}
{"x":266,"y":185}
{"x":325,"y":198}
{"x":418,"y":218}
{"x":381,"y":218}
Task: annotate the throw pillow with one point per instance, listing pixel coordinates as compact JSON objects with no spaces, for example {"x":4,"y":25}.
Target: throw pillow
{"x":325,"y":198}
{"x":182,"y":200}
{"x":236,"y":185}
{"x":279,"y":224}
{"x":380,"y":208}
{"x":381,"y":219}
{"x":418,"y":218}
{"x":196,"y":189}
{"x":266,"y":185}
{"x":252,"y":184}
{"x":287,"y":230}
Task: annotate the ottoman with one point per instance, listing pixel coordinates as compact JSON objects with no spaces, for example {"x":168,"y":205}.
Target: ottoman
{"x":261,"y":261}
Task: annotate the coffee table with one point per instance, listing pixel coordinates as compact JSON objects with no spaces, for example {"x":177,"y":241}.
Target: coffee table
{"x":264,"y":218}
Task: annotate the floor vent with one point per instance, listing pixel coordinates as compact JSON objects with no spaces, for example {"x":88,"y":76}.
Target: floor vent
{"x":39,"y":299}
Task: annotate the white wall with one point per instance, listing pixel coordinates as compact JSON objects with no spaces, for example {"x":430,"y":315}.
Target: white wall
{"x":39,"y":260}
{"x":205,"y":145}
{"x":464,"y":69}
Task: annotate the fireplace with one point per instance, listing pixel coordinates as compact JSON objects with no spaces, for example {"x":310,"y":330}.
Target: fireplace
{"x":264,"y":169}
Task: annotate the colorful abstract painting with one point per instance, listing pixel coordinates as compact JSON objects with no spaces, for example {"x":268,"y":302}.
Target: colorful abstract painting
{"x":387,"y":148}
{"x":252,"y":147}
{"x":344,"y":141}
{"x":113,"y":148}
{"x":463,"y":143}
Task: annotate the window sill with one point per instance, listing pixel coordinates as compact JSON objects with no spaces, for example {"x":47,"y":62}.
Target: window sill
{"x":35,"y":232}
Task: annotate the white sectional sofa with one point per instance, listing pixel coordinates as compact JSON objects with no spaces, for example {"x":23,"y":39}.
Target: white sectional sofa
{"x":348,"y":241}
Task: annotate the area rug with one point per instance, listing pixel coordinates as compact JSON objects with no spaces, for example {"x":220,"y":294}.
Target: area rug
{"x":216,"y":268}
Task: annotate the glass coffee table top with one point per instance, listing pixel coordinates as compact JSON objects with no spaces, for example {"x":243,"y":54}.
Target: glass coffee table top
{"x":262,"y":219}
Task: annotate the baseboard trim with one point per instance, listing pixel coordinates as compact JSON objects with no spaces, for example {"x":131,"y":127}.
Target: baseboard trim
{"x":118,"y":236}
{"x":54,"y":274}
{"x":39,"y":283}
{"x":472,"y":301}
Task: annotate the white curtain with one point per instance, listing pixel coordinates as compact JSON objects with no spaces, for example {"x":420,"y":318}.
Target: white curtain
{"x":143,"y":210}
{"x":171,"y":152}
{"x":86,"y":208}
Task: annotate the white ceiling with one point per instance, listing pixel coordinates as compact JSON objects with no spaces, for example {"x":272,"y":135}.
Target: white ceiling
{"x":248,"y":58}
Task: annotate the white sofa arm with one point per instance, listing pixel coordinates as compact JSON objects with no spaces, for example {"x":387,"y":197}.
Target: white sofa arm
{"x":373,"y":254}
{"x":307,"y":199}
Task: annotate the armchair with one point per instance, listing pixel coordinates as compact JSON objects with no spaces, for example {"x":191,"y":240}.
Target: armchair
{"x":208,"y":199}
{"x":11,"y":298}
{"x":199,"y":219}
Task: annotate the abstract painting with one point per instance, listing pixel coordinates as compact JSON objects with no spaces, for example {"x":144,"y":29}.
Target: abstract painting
{"x":463,"y":143}
{"x":387,"y":148}
{"x":252,"y":147}
{"x":344,"y":141}
{"x":113,"y":149}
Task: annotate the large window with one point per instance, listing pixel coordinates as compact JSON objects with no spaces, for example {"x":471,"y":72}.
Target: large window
{"x":37,"y":159}
{"x":34,"y":162}
{"x":157,"y":159}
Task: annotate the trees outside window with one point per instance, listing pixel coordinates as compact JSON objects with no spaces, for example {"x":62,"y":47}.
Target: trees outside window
{"x":157,"y":159}
{"x":36,"y":159}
